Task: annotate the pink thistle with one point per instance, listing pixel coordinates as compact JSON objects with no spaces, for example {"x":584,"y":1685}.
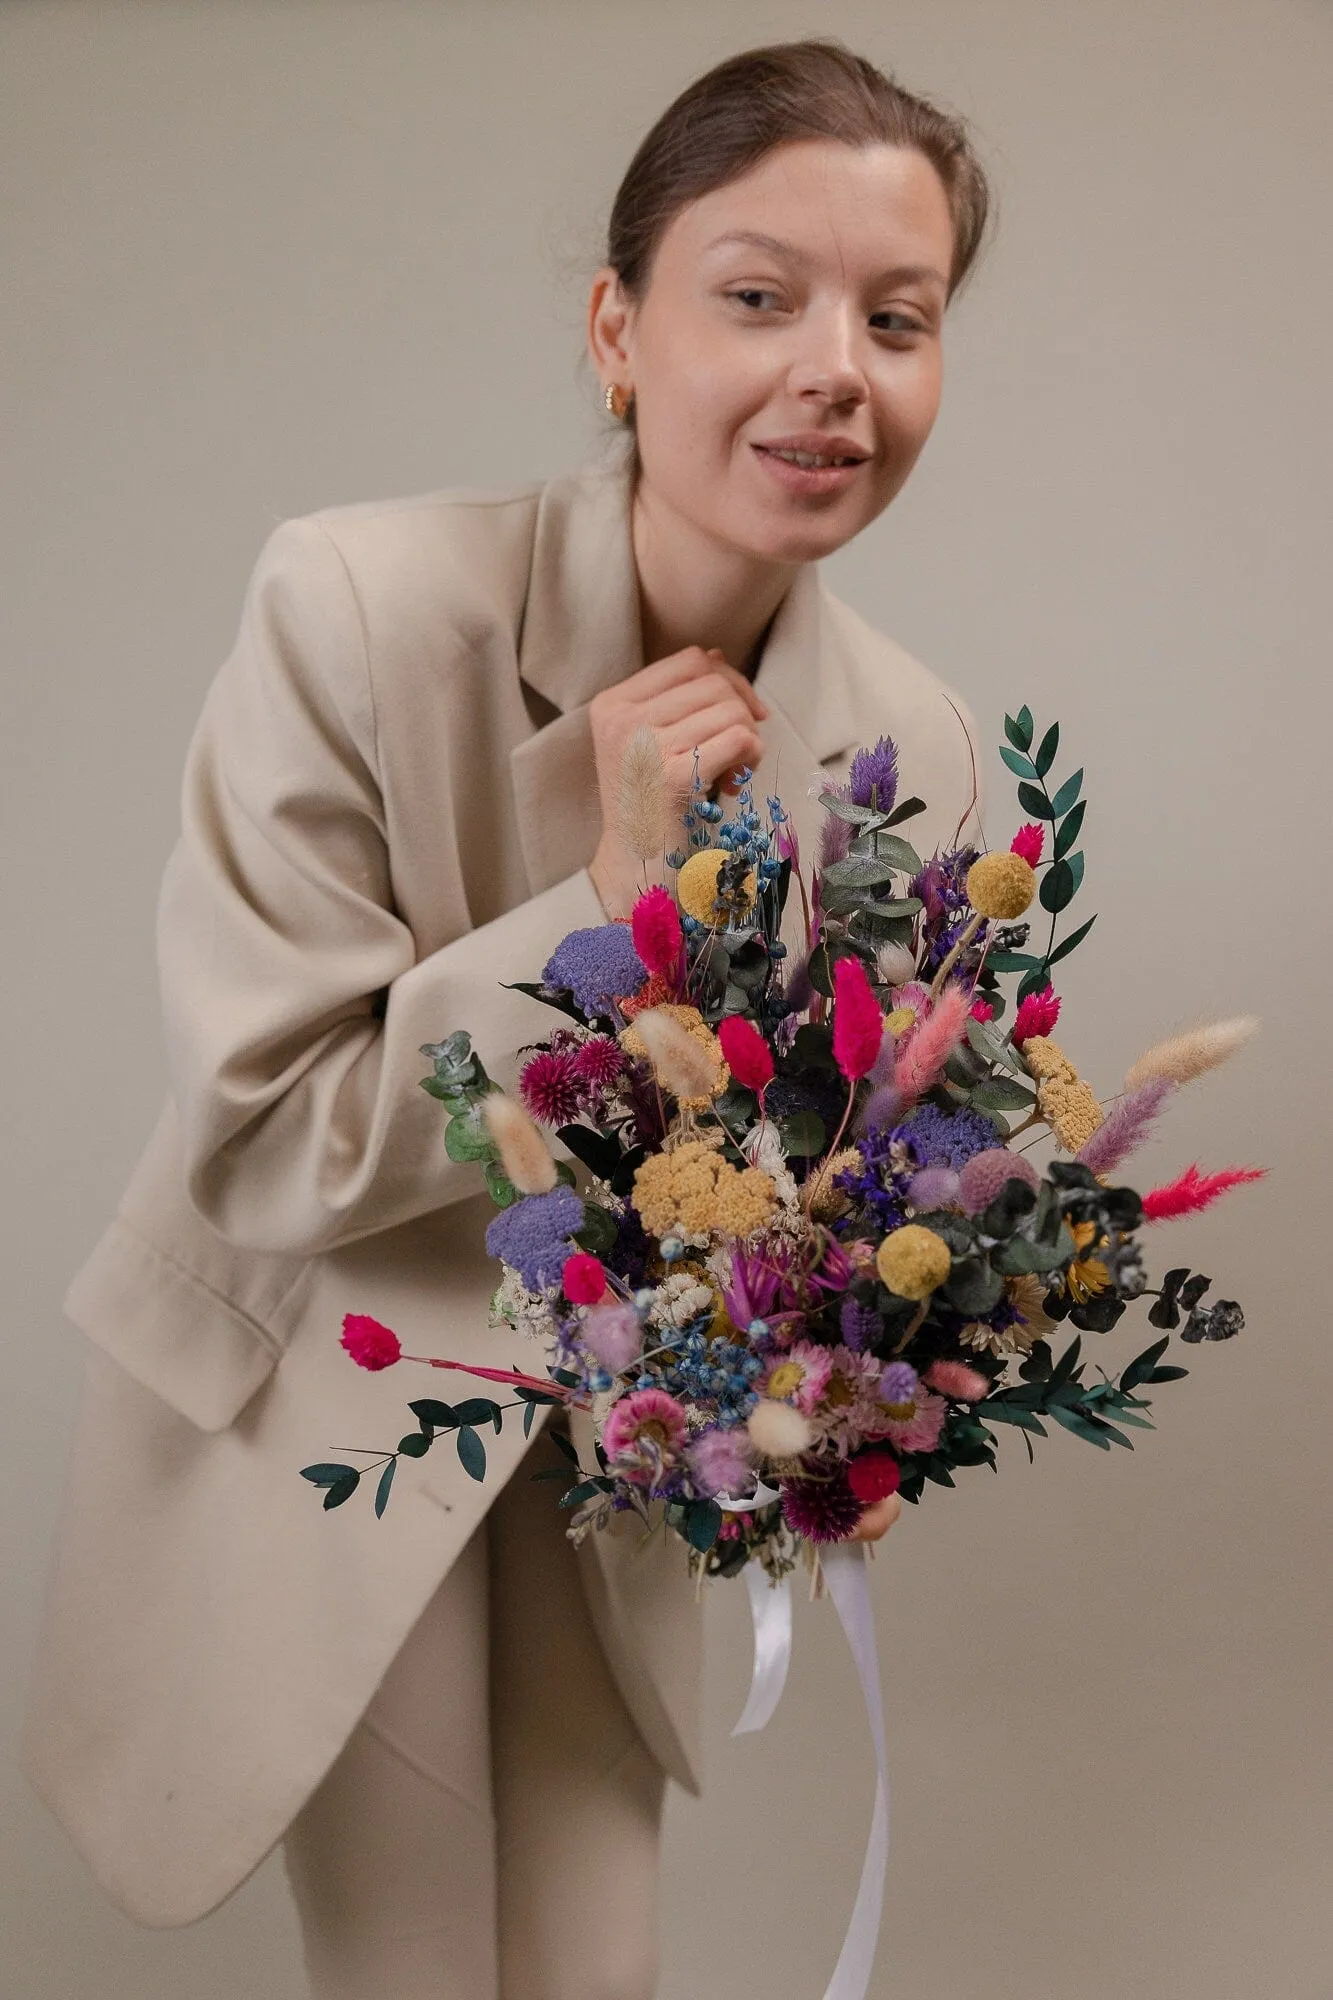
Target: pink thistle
{"x":370,"y":1343}
{"x":823,"y":1509}
{"x":981,"y":1010}
{"x":655,"y":927}
{"x":1126,"y":1125}
{"x":644,"y":1412}
{"x":1193,"y":1191}
{"x":551,"y":1088}
{"x":927,"y":1047}
{"x":583,"y":1279}
{"x":1036,"y":1015}
{"x":858,"y":1025}
{"x":598,"y":1062}
{"x":1027,"y":842}
{"x":747,"y":1054}
{"x":956,"y":1379}
{"x":873,"y":1475}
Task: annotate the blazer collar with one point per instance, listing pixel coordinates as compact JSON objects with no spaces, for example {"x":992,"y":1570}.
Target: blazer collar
{"x":581,"y":628}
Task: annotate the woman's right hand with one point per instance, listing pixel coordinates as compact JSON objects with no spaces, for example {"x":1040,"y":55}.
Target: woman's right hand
{"x":690,"y":700}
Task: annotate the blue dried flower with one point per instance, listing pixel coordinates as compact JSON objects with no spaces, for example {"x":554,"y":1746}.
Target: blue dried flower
{"x":945,"y":1138}
{"x":597,"y":966}
{"x":875,"y":770}
{"x":533,"y":1235}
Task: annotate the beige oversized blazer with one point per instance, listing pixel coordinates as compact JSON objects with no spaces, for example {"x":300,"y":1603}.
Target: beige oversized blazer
{"x":387,"y":808}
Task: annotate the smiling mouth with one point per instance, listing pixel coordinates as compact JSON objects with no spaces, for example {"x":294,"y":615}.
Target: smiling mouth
{"x":809,"y":460}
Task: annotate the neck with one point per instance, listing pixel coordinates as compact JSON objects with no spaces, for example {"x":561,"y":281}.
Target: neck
{"x":694,"y":591}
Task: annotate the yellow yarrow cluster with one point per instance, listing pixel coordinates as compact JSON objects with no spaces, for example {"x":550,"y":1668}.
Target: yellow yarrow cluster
{"x":1068,"y":1105}
{"x":694,"y":1024}
{"x":696,"y":888}
{"x":1001,"y":886}
{"x":693,"y":1189}
{"x":913,"y":1261}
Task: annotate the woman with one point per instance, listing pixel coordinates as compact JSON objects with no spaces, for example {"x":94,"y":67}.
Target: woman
{"x":398,"y":798}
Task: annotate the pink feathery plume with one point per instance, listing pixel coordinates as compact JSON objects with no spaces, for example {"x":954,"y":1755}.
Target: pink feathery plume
{"x":835,"y":835}
{"x":858,"y":1025}
{"x":1193,"y":1191}
{"x":926,"y":1049}
{"x":1126,"y":1125}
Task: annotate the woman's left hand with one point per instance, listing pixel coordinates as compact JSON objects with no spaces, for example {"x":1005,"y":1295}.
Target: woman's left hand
{"x":878,"y":1518}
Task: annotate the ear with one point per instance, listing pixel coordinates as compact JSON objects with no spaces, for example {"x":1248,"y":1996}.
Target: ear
{"x":610,"y":324}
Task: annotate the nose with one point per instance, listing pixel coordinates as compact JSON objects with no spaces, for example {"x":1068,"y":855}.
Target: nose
{"x":827,"y":368}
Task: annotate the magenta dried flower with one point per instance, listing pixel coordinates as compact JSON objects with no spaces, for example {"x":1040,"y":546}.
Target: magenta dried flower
{"x":551,"y":1087}
{"x":822,"y":1508}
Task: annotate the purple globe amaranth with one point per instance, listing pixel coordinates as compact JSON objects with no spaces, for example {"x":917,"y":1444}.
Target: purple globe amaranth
{"x":875,"y":771}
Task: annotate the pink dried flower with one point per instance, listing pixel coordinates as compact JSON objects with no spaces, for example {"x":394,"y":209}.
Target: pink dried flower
{"x":1036,"y":1015}
{"x":798,"y":1376}
{"x":583,"y":1279}
{"x":956,"y":1379}
{"x":858,"y":1025}
{"x":933,"y":1187}
{"x":370,"y":1343}
{"x":1193,"y":1191}
{"x":747,"y":1054}
{"x":981,"y":1178}
{"x":1028,"y":842}
{"x":655,"y":926}
{"x":1126,"y":1125}
{"x":650,"y":1415}
{"x":981,"y":1010}
{"x":873,"y":1475}
{"x":551,"y":1087}
{"x":720,"y":1461}
{"x":613,"y":1334}
{"x":921,"y":1431}
{"x":823,"y":1508}
{"x":599,"y":1062}
{"x":926,"y":1048}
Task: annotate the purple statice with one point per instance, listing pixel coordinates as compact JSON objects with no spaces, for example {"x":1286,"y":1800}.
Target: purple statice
{"x":859,"y":1324}
{"x":878,"y":1185}
{"x":597,"y":966}
{"x":533,"y":1235}
{"x":875,"y":770}
{"x":941,"y":885}
{"x":945,"y":1138}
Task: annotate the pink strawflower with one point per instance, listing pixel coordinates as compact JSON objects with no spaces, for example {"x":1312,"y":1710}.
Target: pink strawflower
{"x":1036,"y":1015}
{"x":921,"y":1431}
{"x":599,"y":1062}
{"x":1028,"y":842}
{"x":583,"y":1279}
{"x":926,"y":1047}
{"x":956,"y":1379}
{"x":747,"y":1054}
{"x":798,"y":1375}
{"x":873,"y":1475}
{"x":551,"y":1087}
{"x":655,"y":927}
{"x":981,"y":1010}
{"x":858,"y":1025}
{"x":720,"y":1461}
{"x":649,"y":1413}
{"x":370,"y":1343}
{"x":1193,"y":1191}
{"x":612,"y":1332}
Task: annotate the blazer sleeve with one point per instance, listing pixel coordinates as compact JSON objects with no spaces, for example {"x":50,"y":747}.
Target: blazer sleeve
{"x":294,"y":1005}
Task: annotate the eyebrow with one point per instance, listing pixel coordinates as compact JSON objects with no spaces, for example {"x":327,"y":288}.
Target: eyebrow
{"x":758,"y":239}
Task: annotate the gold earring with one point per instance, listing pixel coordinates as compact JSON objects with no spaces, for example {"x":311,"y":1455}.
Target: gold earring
{"x":613,"y":401}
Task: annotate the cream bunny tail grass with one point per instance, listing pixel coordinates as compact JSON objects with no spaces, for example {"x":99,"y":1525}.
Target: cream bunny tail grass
{"x":1183,"y":1057}
{"x":524,"y":1154}
{"x":643,"y":810}
{"x":683,"y":1063}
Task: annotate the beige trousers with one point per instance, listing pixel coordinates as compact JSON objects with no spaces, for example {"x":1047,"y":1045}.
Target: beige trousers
{"x":491,"y":1829}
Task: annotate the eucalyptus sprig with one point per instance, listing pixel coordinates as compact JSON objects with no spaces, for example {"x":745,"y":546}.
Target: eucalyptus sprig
{"x":1064,"y":811}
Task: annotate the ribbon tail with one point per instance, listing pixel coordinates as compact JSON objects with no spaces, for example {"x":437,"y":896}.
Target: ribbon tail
{"x":846,"y":1574}
{"x":770,"y":1610}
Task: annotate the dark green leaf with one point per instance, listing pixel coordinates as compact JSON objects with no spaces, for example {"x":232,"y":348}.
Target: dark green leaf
{"x":498,"y":1184}
{"x":1045,"y":756}
{"x":1037,"y":1366}
{"x":803,"y":1135}
{"x":1010,"y":1413}
{"x":472,"y":1452}
{"x":1069,"y":829}
{"x":1032,"y":982}
{"x":432,"y":1414}
{"x":1168,"y":1374}
{"x":587,"y":1489}
{"x":1075,"y":1421}
{"x":564,"y":1444}
{"x":1035,"y":802}
{"x":1065,"y":1366}
{"x":342,"y":1489}
{"x":1057,"y":887}
{"x":325,"y":1474}
{"x":535,"y":1395}
{"x":599,"y":1229}
{"x":905,"y":809}
{"x":1019,"y":730}
{"x":1021,"y":766}
{"x":705,"y":1520}
{"x":1141,"y":1367}
{"x":598,"y":1152}
{"x":382,"y":1490}
{"x":1067,"y":794}
{"x":1013,"y":961}
{"x":1000,"y":1093}
{"x":415,"y":1445}
{"x":529,"y":1415}
{"x":478,"y":1410}
{"x":1066,"y":945}
{"x":467,"y":1139}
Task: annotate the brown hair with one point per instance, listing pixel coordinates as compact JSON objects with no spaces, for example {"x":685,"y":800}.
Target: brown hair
{"x":724,"y":122}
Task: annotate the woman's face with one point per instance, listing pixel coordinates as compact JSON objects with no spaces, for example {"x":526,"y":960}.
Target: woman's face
{"x":834,"y":328}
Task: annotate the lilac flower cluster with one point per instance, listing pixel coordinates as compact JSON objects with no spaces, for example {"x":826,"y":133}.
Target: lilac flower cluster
{"x":534,"y":1235}
{"x":597,"y":966}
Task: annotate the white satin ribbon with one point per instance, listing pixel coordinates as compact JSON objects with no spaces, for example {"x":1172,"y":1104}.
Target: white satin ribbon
{"x":845,"y":1570}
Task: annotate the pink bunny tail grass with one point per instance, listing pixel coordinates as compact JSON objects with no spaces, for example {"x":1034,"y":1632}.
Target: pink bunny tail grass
{"x":929,"y":1045}
{"x":1193,"y":1191}
{"x":515,"y":1378}
{"x":1126,"y":1125}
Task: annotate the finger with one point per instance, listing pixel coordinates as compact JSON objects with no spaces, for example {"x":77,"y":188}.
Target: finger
{"x":744,"y":687}
{"x":686,"y":698}
{"x":709,"y":722}
{"x":736,"y":745}
{"x":670,"y":672}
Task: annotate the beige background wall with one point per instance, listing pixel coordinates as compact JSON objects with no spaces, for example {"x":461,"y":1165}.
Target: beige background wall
{"x":256,"y":259}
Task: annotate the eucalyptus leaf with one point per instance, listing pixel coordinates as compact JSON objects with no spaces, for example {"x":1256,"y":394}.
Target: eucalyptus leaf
{"x":859,"y":871}
{"x":905,"y":809}
{"x":1021,"y":766}
{"x":382,"y":1490}
{"x":1035,"y":802}
{"x":1069,"y":828}
{"x":1067,"y":794}
{"x":1066,"y":945}
{"x":342,"y":1489}
{"x":1045,"y":756}
{"x":467,"y":1139}
{"x":1000,"y":1093}
{"x":472,"y":1453}
{"x":1057,"y":887}
{"x":1019,"y":729}
{"x":803,"y":1134}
